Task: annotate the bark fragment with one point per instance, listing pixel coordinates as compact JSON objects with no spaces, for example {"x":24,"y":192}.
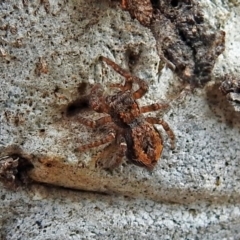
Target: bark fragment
{"x":184,"y":39}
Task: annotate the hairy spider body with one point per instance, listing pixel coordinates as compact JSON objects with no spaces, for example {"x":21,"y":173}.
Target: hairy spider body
{"x":136,"y":135}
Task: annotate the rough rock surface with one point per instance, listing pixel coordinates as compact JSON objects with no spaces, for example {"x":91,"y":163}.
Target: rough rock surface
{"x":46,"y":51}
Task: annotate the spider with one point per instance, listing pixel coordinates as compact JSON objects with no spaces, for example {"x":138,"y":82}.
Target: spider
{"x":128,"y":128}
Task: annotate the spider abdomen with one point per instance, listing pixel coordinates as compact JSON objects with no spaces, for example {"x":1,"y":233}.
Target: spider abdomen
{"x":145,"y":145}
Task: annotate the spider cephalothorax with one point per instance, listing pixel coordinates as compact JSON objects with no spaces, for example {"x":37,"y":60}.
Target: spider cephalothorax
{"x":135,"y":134}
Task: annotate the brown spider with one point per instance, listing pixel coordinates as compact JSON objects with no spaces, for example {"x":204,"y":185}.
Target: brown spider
{"x":135,"y":134}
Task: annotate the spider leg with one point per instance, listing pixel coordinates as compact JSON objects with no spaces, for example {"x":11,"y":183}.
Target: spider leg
{"x":153,"y":107}
{"x":121,"y":71}
{"x":120,"y":153}
{"x":143,"y":86}
{"x":109,"y":137}
{"x":117,"y":68}
{"x":165,"y":126}
{"x":94,"y":123}
{"x":125,"y":87}
{"x":112,"y":154}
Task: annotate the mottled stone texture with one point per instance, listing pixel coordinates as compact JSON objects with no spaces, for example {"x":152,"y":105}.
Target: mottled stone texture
{"x":47,"y":49}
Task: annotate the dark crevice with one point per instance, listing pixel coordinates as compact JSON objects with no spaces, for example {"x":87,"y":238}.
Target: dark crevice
{"x":77,"y":106}
{"x":174,"y":3}
{"x":14,"y":167}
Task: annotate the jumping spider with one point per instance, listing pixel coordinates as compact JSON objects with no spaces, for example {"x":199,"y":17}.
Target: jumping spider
{"x":137,"y":137}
